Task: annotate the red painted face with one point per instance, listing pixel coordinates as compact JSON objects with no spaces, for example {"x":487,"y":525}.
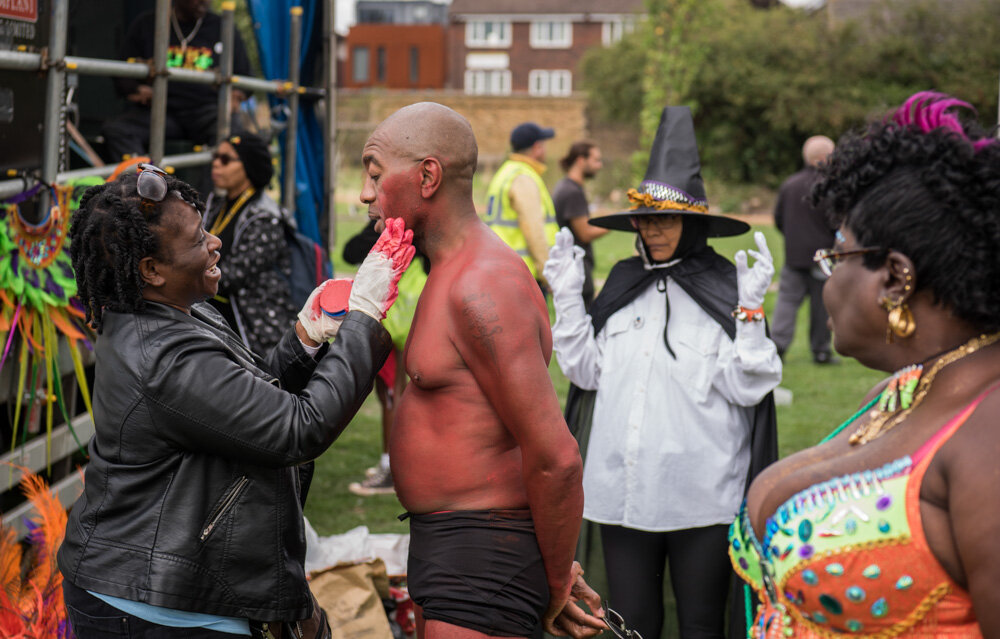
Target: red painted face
{"x":392,"y":184}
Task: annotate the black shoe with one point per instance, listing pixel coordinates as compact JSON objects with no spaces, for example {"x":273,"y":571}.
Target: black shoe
{"x":825,"y":358}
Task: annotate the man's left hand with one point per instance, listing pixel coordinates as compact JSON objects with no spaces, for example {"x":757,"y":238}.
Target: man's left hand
{"x":752,"y":283}
{"x":573,"y":620}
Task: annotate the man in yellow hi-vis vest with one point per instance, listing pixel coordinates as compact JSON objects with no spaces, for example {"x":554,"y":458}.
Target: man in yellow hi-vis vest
{"x":518,"y":205}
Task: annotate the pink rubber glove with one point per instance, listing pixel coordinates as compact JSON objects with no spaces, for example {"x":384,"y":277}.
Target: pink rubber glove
{"x":376,"y":286}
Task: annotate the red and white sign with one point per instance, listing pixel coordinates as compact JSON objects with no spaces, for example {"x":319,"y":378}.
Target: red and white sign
{"x":19,"y":9}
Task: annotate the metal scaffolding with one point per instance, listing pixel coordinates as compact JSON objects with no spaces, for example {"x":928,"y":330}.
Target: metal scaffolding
{"x":56,"y":64}
{"x":53,"y":61}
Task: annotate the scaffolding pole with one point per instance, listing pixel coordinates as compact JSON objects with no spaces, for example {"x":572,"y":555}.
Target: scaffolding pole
{"x":158,"y":108}
{"x":330,"y":123}
{"x":291,"y":131}
{"x":52,"y":138}
{"x":225,"y":72}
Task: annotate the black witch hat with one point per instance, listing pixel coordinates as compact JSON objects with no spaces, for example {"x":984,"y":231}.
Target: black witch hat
{"x":673,"y":183}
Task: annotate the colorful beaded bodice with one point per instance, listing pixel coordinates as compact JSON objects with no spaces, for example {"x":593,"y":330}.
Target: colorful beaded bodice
{"x":848,"y":556}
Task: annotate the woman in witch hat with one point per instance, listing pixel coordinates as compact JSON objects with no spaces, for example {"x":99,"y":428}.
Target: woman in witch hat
{"x":672,"y":375}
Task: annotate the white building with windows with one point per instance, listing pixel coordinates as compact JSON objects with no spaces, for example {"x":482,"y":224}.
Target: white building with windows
{"x":533,"y":47}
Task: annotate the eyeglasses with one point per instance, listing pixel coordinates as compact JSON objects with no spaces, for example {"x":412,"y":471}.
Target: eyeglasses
{"x":616,"y":624}
{"x":829,"y":258}
{"x":658,"y":222}
{"x":151,"y":185}
{"x":224,"y":158}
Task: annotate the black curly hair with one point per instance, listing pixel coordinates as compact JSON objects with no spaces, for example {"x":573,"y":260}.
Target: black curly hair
{"x":109,"y":234}
{"x":927,"y":184}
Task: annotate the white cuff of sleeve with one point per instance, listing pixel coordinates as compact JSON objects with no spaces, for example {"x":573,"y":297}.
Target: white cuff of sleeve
{"x":751,"y":334}
{"x":310,"y":350}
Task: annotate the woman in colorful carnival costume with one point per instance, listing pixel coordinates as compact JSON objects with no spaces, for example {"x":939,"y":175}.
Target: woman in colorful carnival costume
{"x":889,"y":527}
{"x":671,"y":403}
{"x":191,"y":519}
{"x":253,"y":293}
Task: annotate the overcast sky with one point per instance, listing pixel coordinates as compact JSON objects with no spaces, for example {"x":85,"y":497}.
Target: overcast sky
{"x":344,"y":15}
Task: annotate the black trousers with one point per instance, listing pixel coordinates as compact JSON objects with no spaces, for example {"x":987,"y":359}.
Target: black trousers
{"x":700,"y":574}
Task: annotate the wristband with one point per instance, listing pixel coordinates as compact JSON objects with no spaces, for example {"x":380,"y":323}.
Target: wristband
{"x":744,"y":314}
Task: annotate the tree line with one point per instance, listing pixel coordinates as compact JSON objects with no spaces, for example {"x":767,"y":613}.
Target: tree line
{"x":760,"y":81}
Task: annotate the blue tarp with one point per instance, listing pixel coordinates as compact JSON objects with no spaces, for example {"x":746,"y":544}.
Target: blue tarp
{"x":272,"y":20}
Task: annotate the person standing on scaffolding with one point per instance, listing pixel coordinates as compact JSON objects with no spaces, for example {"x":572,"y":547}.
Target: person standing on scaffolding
{"x":192,"y":109}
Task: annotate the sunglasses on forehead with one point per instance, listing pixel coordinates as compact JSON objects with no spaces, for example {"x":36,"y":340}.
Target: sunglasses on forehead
{"x":151,"y":184}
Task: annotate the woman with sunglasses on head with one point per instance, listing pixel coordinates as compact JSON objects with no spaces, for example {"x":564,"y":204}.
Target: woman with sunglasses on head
{"x":190,"y":524}
{"x":671,"y":402}
{"x":888,"y":527}
{"x":253,"y":292}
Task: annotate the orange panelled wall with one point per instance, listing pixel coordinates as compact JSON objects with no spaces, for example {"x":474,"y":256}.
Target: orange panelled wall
{"x":397,"y":40}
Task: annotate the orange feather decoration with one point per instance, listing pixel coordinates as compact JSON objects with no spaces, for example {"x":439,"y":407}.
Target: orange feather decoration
{"x":31,"y":601}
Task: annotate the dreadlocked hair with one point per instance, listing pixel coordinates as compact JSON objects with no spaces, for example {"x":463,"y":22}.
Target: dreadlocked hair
{"x":109,"y":235}
{"x":925,"y":182}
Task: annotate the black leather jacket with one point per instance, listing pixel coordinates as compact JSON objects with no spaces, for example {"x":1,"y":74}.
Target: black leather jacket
{"x":192,"y":495}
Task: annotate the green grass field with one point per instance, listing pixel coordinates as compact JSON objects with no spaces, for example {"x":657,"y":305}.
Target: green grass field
{"x":822,"y":397}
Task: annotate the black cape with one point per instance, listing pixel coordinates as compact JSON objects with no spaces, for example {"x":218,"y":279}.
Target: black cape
{"x":710,"y":280}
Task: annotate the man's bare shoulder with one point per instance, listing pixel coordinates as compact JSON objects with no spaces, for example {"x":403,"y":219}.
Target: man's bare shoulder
{"x":494,"y":276}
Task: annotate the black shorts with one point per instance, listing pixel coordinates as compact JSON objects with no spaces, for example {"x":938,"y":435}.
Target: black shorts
{"x":478,"y":569}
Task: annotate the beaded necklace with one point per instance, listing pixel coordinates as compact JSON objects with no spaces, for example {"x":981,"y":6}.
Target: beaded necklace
{"x":40,"y":244}
{"x":223,"y":222}
{"x":907,"y":389}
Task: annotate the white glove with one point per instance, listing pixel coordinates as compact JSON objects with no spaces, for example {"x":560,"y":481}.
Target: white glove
{"x":752,"y":283}
{"x":564,"y":268}
{"x":376,"y":286}
{"x":319,"y":326}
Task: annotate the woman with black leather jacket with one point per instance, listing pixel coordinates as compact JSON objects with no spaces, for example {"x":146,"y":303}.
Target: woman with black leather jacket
{"x":190,"y":524}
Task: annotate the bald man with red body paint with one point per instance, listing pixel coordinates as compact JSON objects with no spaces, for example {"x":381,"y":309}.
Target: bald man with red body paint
{"x":481,"y":456}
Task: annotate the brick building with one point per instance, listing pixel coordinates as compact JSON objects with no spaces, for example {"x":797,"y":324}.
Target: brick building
{"x":533,"y":47}
{"x":395,"y":56}
{"x":396,"y":44}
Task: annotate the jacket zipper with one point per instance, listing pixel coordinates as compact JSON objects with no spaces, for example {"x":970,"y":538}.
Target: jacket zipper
{"x":224,"y":507}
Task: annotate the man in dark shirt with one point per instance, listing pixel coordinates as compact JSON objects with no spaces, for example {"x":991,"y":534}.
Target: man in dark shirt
{"x":582,"y":162}
{"x":192,"y":109}
{"x":805,"y":229}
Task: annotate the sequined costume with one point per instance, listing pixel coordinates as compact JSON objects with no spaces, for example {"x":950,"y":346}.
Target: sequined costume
{"x":849,"y":556}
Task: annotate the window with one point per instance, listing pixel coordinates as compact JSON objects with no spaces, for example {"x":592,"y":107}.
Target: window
{"x":551,"y":35}
{"x":380,"y":65}
{"x":558,"y":82}
{"x":487,"y":33}
{"x":615,"y":30}
{"x":414,"y":65}
{"x":487,"y":82}
{"x":359,"y":64}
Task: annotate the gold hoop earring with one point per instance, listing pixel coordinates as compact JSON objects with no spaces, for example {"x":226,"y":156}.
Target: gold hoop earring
{"x":901,"y":321}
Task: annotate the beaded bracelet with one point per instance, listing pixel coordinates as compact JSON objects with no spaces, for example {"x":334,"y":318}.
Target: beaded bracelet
{"x":748,"y":315}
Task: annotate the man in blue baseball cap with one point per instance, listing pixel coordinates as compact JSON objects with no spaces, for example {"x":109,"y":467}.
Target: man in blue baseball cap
{"x":519,"y":208}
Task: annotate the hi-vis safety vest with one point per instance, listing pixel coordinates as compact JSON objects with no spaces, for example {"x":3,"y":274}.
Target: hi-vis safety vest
{"x":502,"y":218}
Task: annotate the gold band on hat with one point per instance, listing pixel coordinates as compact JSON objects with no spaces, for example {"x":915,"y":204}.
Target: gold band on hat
{"x":646,"y":199}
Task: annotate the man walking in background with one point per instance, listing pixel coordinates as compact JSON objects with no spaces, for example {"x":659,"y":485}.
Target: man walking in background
{"x":805,"y":229}
{"x":581,"y":163}
{"x":518,"y":206}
